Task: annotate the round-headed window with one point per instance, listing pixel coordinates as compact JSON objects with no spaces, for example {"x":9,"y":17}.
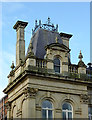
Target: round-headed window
{"x":67,"y":111}
{"x":47,"y":109}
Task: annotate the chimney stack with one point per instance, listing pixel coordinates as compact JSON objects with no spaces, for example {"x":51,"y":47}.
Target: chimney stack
{"x":20,"y":43}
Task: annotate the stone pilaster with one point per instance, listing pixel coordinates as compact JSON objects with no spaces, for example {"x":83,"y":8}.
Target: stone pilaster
{"x":84,"y":105}
{"x":30,"y":94}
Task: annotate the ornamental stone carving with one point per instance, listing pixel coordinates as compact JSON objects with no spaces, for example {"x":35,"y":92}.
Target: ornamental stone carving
{"x":8,"y":106}
{"x":84,"y":98}
{"x":30,"y":92}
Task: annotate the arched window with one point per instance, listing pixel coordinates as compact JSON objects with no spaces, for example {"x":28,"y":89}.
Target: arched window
{"x":67,"y":111}
{"x":47,"y":109}
{"x":57,"y":65}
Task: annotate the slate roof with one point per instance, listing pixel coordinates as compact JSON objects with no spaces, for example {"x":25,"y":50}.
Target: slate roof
{"x":41,"y":39}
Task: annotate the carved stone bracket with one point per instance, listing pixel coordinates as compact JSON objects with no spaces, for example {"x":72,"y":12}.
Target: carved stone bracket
{"x":84,"y":98}
{"x":30,"y":92}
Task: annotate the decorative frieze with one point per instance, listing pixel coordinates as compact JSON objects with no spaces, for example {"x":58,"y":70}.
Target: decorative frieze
{"x":84,"y":98}
{"x":30,"y":92}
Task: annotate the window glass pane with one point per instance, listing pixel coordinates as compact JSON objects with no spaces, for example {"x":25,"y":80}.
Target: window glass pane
{"x":70,"y":115}
{"x":46,"y":104}
{"x":56,"y":61}
{"x":43,"y":113}
{"x":66,"y":106}
{"x":64,"y":115}
{"x":90,"y":110}
{"x":57,"y":65}
{"x":49,"y":113}
{"x":57,"y":69}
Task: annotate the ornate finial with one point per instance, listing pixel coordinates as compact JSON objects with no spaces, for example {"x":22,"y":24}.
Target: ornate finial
{"x":53,"y":27}
{"x":35,"y":23}
{"x":39,"y":22}
{"x":56,"y":27}
{"x":12,"y":66}
{"x":81,"y":63}
{"x":80,"y":56}
{"x":48,"y":20}
{"x":56,"y":40}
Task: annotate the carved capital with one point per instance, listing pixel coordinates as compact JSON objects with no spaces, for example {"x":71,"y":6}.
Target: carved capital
{"x":30,"y":92}
{"x":84,"y":98}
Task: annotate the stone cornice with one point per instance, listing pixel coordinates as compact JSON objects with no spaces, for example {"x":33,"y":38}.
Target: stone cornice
{"x":46,"y":75}
{"x":65,"y":35}
{"x":20,"y":23}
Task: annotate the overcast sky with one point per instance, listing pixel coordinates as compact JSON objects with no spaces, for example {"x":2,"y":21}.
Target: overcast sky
{"x":72,"y":18}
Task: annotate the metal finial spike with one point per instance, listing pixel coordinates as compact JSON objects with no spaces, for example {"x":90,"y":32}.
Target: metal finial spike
{"x":56,"y":27}
{"x":35,"y":23}
{"x":48,"y":20}
{"x":39,"y":22}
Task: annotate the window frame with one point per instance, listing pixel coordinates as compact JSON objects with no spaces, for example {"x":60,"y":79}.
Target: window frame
{"x":67,"y":111}
{"x":57,"y":65}
{"x":47,"y":109}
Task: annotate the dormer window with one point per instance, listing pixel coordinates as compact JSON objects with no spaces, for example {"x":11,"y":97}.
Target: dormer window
{"x":57,"y":65}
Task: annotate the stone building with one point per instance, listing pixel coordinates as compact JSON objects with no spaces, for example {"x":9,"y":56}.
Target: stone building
{"x":44,"y":83}
{"x":3,"y":108}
